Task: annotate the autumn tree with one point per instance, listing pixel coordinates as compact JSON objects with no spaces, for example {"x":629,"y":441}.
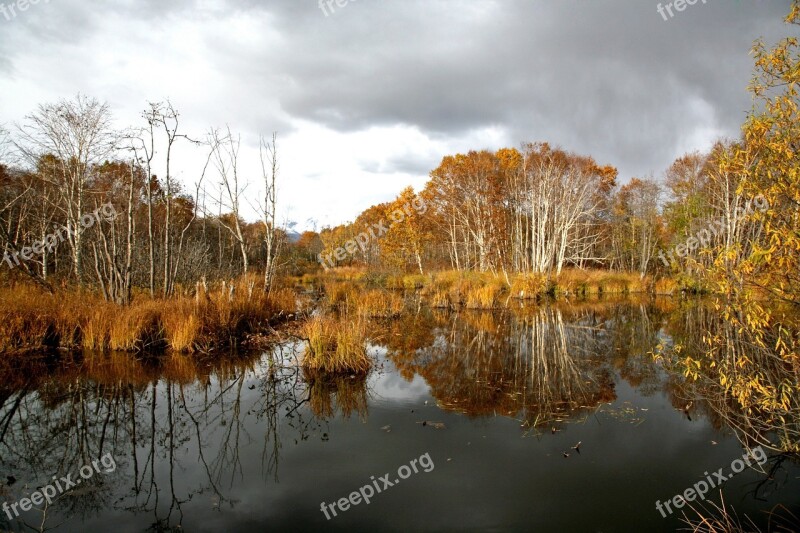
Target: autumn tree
{"x":754,"y":358}
{"x":637,"y":224}
{"x":408,"y":234}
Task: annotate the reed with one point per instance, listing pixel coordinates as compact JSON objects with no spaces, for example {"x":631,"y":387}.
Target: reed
{"x":528,"y":286}
{"x":441,"y":300}
{"x":32,"y":319}
{"x":339,"y":294}
{"x":335,"y":345}
{"x":138,"y":328}
{"x":379,"y":304}
{"x":589,"y":282}
{"x":486,"y":297}
{"x":666,"y":286}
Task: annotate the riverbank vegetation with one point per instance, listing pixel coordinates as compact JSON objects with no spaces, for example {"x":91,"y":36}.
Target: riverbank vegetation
{"x":31,"y":318}
{"x":169,"y":266}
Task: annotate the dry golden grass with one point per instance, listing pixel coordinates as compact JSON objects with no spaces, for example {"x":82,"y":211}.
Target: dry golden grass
{"x":666,"y":286}
{"x":340,"y":294}
{"x":182,"y":325}
{"x":412,"y":282}
{"x":32,"y":319}
{"x":336,"y":345}
{"x":528,"y":286}
{"x":379,"y":304}
{"x":485,"y":290}
{"x":452,"y":289}
{"x":440,"y":300}
{"x":586,"y":282}
{"x":138,"y":328}
{"x":95,"y":327}
{"x":486,"y":297}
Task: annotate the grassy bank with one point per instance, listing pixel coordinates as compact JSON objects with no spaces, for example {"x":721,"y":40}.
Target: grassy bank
{"x":378,"y":294}
{"x":32,"y":319}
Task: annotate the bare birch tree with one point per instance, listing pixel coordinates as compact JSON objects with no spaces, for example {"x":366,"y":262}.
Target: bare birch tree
{"x":226,"y":158}
{"x":268,"y":152}
{"x":78,"y":134}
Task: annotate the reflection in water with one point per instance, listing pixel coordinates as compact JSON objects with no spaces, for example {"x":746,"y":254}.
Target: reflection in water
{"x":190,"y":434}
{"x":56,"y":418}
{"x":544,"y":364}
{"x":744,"y":386}
{"x":348,"y":392}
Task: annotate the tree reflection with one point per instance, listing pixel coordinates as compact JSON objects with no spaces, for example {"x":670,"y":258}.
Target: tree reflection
{"x":158,"y":419}
{"x":743,"y":384}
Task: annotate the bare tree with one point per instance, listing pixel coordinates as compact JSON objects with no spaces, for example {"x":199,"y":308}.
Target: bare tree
{"x":191,"y":221}
{"x":6,"y":146}
{"x":168,"y":117}
{"x":143,"y":145}
{"x":269,"y":171}
{"x":226,"y":157}
{"x":78,"y":134}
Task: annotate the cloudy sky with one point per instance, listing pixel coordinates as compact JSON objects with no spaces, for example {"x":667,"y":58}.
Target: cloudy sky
{"x":368,"y":99}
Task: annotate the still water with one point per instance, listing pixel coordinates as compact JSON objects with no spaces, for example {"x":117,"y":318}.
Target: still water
{"x":482,"y":413}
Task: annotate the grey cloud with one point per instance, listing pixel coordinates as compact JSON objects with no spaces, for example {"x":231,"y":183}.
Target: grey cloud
{"x":609,"y":78}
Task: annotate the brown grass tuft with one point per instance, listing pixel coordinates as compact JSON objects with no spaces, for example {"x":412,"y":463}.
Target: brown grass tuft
{"x":336,"y":346}
{"x":379,"y":304}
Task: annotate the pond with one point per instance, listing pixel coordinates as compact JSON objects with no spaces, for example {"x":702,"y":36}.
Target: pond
{"x":546,"y":418}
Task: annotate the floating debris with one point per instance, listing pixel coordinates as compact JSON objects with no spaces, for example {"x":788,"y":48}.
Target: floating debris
{"x":434,"y":425}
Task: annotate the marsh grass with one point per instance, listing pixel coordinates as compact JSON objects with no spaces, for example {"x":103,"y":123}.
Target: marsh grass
{"x":336,"y":345}
{"x":595,"y":282}
{"x":32,"y":319}
{"x":528,"y":286}
{"x":452,"y":289}
{"x":666,"y":286}
{"x":486,"y":297}
{"x":713,"y":517}
{"x":378,"y":303}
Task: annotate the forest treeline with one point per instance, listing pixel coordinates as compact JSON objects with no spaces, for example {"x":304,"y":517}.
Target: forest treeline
{"x":65,"y":160}
{"x":535,"y":209}
{"x":540,"y":209}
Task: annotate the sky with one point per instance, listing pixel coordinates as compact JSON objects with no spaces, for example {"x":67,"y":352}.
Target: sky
{"x":367,"y":96}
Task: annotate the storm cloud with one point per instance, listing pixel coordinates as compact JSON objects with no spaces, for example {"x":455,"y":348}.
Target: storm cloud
{"x":368,"y":99}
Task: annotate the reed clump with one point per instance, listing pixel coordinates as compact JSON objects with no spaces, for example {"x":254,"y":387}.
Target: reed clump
{"x":336,"y":345}
{"x":592,"y":282}
{"x":486,"y":297}
{"x":379,"y":304}
{"x":528,"y":286}
{"x":340,"y":295}
{"x":666,"y":286}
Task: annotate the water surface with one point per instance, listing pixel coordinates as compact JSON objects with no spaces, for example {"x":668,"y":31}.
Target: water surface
{"x":496,"y":401}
